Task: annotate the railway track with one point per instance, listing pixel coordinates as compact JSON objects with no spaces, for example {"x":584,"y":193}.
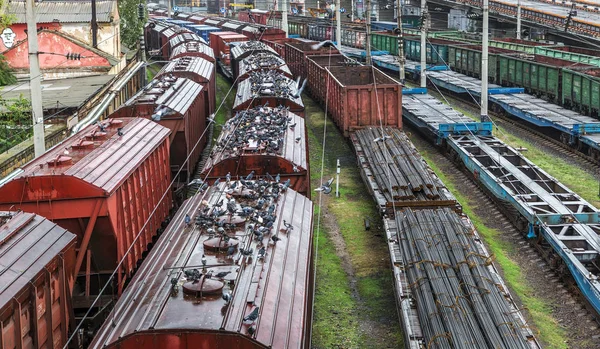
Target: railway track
{"x":553,"y":284}
{"x":523,"y":131}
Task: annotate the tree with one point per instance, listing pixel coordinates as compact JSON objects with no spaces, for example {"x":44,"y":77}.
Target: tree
{"x":15,"y":122}
{"x":6,"y":75}
{"x":6,"y":19}
{"x":131,"y":26}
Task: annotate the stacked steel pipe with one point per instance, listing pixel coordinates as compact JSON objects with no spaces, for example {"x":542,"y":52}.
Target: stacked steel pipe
{"x":459,"y":303}
{"x":398,"y":168}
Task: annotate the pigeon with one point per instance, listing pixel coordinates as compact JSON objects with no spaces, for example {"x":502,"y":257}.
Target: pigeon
{"x":326,"y":43}
{"x":299,"y":92}
{"x":204,"y":260}
{"x":326,"y":187}
{"x":193,"y":275}
{"x":216,"y":183}
{"x":222,"y":274}
{"x":298,"y":139}
{"x":195,"y":182}
{"x":230,"y":251}
{"x":382,"y":138}
{"x":275,"y":238}
{"x":252,"y":316}
{"x":228,"y":177}
{"x":120,"y":132}
{"x":288,"y":226}
{"x":227,"y":297}
{"x":250,"y":175}
{"x":187,"y":220}
{"x":269,"y":177}
{"x":203,"y":187}
{"x":251,"y":330}
{"x":261,"y":253}
{"x":278,"y":178}
{"x":247,"y":252}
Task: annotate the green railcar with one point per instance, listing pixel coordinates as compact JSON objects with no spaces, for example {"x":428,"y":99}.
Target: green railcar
{"x":437,"y":50}
{"x":581,"y":90}
{"x":573,"y":54}
{"x":435,"y":34}
{"x":385,"y":41}
{"x":539,"y":75}
{"x":466,"y":59}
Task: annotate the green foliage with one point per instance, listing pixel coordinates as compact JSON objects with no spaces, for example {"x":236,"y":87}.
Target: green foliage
{"x":15,"y":122}
{"x":6,"y":19}
{"x":6,"y":75}
{"x":131,"y":26}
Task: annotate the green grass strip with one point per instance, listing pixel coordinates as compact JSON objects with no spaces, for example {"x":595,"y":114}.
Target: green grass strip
{"x":367,"y":252}
{"x":223,"y":86}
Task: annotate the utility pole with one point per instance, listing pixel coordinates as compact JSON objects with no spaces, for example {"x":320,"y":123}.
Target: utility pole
{"x":519,"y":19}
{"x":337,"y":180}
{"x":284,"y":17}
{"x":142,"y":17}
{"x":35,"y":81}
{"x":168,"y":8}
{"x":484,"y":63}
{"x":338,"y":28}
{"x":400,"y":43}
{"x":368,"y":43}
{"x":352,"y":11}
{"x":572,"y":13}
{"x":94,"y":26}
{"x":424,"y":42}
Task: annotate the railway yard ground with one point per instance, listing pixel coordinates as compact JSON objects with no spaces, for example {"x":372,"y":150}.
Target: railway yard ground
{"x":448,"y":230}
{"x":354,"y":294}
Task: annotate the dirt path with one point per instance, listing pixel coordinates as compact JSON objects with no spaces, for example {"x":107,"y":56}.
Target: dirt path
{"x":363,"y":255}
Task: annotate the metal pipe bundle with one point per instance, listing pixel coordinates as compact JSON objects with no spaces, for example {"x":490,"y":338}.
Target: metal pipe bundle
{"x":459,"y":304}
{"x":399,"y":170}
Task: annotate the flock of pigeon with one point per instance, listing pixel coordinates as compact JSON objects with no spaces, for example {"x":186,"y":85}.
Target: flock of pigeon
{"x":254,"y":200}
{"x":263,"y":60}
{"x":258,"y":130}
{"x":274,"y":83}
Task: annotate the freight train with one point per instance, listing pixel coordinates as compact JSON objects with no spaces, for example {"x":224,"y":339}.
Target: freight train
{"x":111,"y":185}
{"x":239,"y":252}
{"x":111,"y":182}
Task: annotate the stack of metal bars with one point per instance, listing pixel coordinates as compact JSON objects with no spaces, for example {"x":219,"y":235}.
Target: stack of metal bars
{"x":398,"y":167}
{"x":459,"y":304}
